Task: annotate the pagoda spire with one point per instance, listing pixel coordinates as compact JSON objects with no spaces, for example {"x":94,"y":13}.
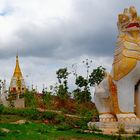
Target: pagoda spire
{"x":17,"y":71}
{"x":17,"y":84}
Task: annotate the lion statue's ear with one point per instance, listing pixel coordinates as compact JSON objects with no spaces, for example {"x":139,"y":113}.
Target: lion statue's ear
{"x":126,"y":11}
{"x":120,"y":18}
{"x":133,"y":12}
{"x":123,"y":18}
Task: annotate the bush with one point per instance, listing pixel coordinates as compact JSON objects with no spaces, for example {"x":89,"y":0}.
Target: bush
{"x":42,"y":130}
{"x":121,"y":128}
{"x":16,"y":131}
{"x":60,"y":119}
{"x":137,"y":131}
{"x":48,"y":115}
{"x":2,"y":133}
{"x":1,"y":108}
{"x":63,"y":127}
{"x":95,"y":128}
{"x":81,"y":123}
{"x":47,"y":98}
{"x":30,"y":113}
{"x":79,"y":131}
{"x":30,"y":99}
{"x":10,"y":111}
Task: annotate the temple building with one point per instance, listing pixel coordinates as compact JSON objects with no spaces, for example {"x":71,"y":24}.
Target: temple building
{"x":17,"y":85}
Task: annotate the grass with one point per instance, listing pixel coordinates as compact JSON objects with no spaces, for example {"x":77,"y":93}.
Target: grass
{"x":59,"y":127}
{"x":10,"y":118}
{"x":39,"y":131}
{"x":36,"y":131}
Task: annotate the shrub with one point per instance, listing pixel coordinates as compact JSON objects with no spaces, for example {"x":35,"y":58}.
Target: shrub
{"x":1,"y":108}
{"x":79,"y":131}
{"x":2,"y":133}
{"x":48,"y":115}
{"x":63,"y":127}
{"x":11,"y":104}
{"x":10,"y":111}
{"x":30,"y":99}
{"x":60,"y":119}
{"x":30,"y":113}
{"x":121,"y":128}
{"x":42,"y":129}
{"x":95,"y":128}
{"x":81,"y":123}
{"x":64,"y":110}
{"x":16,"y":131}
{"x":47,"y":98}
{"x":137,"y":131}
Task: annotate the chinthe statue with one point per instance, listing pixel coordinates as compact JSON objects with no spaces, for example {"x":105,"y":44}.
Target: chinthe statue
{"x":117,"y":97}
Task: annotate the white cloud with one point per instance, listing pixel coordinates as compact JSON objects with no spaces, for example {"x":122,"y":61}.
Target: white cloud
{"x":51,"y":34}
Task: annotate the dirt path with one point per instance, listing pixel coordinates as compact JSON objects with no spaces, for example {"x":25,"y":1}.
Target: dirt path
{"x":59,"y":112}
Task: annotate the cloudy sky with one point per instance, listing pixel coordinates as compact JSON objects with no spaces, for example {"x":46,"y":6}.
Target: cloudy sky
{"x":52,"y":34}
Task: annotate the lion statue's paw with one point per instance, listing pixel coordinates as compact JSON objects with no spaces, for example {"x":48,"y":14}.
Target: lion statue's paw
{"x":107,"y":118}
{"x":127,"y":118}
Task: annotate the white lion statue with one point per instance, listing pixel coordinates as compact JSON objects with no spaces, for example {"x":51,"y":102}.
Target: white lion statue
{"x":117,"y":97}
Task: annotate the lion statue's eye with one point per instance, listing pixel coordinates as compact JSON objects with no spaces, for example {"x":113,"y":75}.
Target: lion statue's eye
{"x":124,"y":18}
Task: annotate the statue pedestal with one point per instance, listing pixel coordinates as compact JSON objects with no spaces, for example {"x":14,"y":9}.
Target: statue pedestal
{"x":113,"y":127}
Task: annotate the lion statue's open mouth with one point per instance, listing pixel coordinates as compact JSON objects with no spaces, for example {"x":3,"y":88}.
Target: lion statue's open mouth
{"x":129,"y":20}
{"x":133,"y":25}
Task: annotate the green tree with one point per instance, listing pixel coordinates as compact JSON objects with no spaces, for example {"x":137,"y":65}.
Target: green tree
{"x":30,"y":99}
{"x":47,"y":98}
{"x":62,"y":76}
{"x":82,"y":93}
{"x":81,"y":81}
{"x":62,"y":92}
{"x":77,"y":94}
{"x":97,"y":75}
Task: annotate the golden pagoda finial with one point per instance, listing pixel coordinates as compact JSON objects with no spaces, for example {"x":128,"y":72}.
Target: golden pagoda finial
{"x":17,"y":54}
{"x":17,"y":72}
{"x":17,"y":84}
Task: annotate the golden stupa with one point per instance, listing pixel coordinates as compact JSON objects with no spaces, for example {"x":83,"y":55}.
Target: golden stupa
{"x":17,"y":85}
